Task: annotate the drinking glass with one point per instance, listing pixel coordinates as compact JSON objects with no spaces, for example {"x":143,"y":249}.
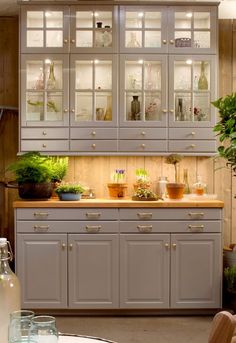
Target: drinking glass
{"x":20,"y":322}
{"x":43,"y":330}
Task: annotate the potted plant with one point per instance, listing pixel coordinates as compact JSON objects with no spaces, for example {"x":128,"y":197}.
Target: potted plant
{"x":175,"y":189}
{"x":230,"y":286}
{"x":117,"y":188}
{"x":33,"y":175}
{"x":59,"y":167}
{"x":142,"y":179}
{"x":144,"y":194}
{"x":68,"y":192}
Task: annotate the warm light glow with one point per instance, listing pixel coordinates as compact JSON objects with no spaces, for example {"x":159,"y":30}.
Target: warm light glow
{"x":96,"y":61}
{"x":96,"y":14}
{"x":48,"y":61}
{"x":48,"y":14}
{"x":189,"y":61}
{"x":189,"y":14}
{"x":140,"y":14}
{"x":140,"y":61}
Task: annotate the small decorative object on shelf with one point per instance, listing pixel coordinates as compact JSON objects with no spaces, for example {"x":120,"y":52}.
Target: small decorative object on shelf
{"x":185,"y":180}
{"x":70,"y":192}
{"x":175,"y":189}
{"x":51,"y":82}
{"x":142,"y":179}
{"x":108,"y":113}
{"x":180,"y":113}
{"x":202,"y":82}
{"x":161,"y":186}
{"x":133,"y":43}
{"x":43,"y":329}
{"x":99,"y":24}
{"x":39,"y":84}
{"x":199,"y":188}
{"x":199,"y":115}
{"x":135,"y":108}
{"x":144,"y":194}
{"x":117,"y":188}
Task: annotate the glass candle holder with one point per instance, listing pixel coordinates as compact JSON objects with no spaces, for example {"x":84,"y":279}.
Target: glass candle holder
{"x":43,"y":330}
{"x":19,"y":326}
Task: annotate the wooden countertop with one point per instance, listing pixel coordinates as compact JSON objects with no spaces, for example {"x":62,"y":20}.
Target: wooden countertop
{"x":106,"y":203}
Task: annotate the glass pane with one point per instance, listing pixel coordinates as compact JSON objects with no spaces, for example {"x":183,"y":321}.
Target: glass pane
{"x":133,"y":19}
{"x":182,"y":75}
{"x":34,"y":106}
{"x":152,"y":39}
{"x":103,"y":106}
{"x":54,"y":39}
{"x":183,"y":20}
{"x":54,"y":74}
{"x":103,"y":75}
{"x":201,"y":106}
{"x":202,"y":20}
{"x":182,"y":39}
{"x":34,"y":39}
{"x":133,"y":39}
{"x":84,"y":74}
{"x":202,"y":39}
{"x":201,"y":72}
{"x":133,"y":106}
{"x":54,"y":107}
{"x":152,"y":75}
{"x":83,"y":106}
{"x":133,"y":75}
{"x":54,"y":19}
{"x":103,"y":38}
{"x":103,"y":19}
{"x":84,"y":19}
{"x":152,"y":106}
{"x":84,"y":39}
{"x":34,"y":75}
{"x":183,"y":107}
{"x":35,"y":19}
{"x":152,"y":20}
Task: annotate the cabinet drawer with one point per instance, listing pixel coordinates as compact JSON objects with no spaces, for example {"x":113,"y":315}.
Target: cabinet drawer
{"x":171,"y":214}
{"x":45,"y":133}
{"x":67,"y":227}
{"x":95,"y":145}
{"x":131,"y":133}
{"x":67,"y":214}
{"x":170,"y":226}
{"x":191,"y":133}
{"x":142,"y":145}
{"x":90,"y":133}
{"x":192,"y":146}
{"x":44,"y":145}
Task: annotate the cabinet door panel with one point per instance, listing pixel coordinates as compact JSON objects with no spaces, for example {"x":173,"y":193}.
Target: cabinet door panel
{"x":196,"y":269}
{"x":41,"y":265}
{"x":144,"y":271}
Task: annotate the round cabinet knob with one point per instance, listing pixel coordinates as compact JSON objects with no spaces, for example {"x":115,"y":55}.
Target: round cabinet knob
{"x":143,"y":145}
{"x":93,"y":133}
{"x":172,"y":41}
{"x":65,"y":40}
{"x":44,"y":133}
{"x":143,"y":133}
{"x":193,"y":146}
{"x":73,"y":41}
{"x":65,"y":110}
{"x":193,"y":133}
{"x":164,"y":41}
{"x":166,"y":245}
{"x":71,"y":246}
{"x":44,"y":145}
{"x":93,"y":146}
{"x":73,"y":111}
{"x":171,"y":111}
{"x":164,"y":110}
{"x":174,"y":245}
{"x":63,"y":246}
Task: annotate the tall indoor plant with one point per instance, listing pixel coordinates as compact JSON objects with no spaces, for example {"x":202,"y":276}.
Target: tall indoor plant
{"x":175,"y":189}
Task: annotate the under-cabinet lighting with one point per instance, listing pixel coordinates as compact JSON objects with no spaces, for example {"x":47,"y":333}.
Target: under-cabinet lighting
{"x":189,"y":14}
{"x":96,"y":14}
{"x":189,"y":61}
{"x":140,"y":14}
{"x":48,"y":14}
{"x":140,"y":61}
{"x":96,"y":61}
{"x":48,"y":61}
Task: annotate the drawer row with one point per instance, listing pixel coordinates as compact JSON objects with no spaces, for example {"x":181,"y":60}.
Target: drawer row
{"x":116,"y":227}
{"x":115,"y":214}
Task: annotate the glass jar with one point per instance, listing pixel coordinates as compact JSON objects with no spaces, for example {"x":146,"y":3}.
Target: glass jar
{"x":161,"y":186}
{"x":43,"y":330}
{"x":20,"y":322}
{"x":199,"y":187}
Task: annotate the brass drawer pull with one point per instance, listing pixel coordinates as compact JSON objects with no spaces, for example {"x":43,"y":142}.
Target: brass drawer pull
{"x":196,"y":214}
{"x":144,"y":215}
{"x":93,"y":228}
{"x":93,"y":215}
{"x":144,"y":228}
{"x":195,"y":228}
{"x":63,"y":246}
{"x":41,"y":228}
{"x":174,"y":245}
{"x":41,"y":214}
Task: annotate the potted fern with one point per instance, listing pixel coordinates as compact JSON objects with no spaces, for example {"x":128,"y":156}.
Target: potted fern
{"x":175,"y":189}
{"x":69,"y":192}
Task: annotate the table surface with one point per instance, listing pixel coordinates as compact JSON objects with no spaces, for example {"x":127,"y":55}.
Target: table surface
{"x":70,"y":338}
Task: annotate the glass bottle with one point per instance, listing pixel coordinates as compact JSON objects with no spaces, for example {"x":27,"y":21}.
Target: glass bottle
{"x":51,"y":83}
{"x":9,"y":289}
{"x":161,"y":186}
{"x":185,"y":179}
{"x":135,"y":108}
{"x":199,"y":187}
{"x":43,"y":330}
{"x":202,"y":82}
{"x":180,"y":114}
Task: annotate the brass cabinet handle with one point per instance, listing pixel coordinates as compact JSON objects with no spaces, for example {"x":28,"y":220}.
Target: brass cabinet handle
{"x":44,"y":145}
{"x":73,"y":41}
{"x":144,"y":228}
{"x":172,"y":41}
{"x":164,"y":110}
{"x":73,"y":110}
{"x":166,"y":245}
{"x":193,"y":146}
{"x":143,"y":133}
{"x":63,"y":246}
{"x":93,"y":215}
{"x":164,"y":41}
{"x":196,"y":214}
{"x":41,"y":214}
{"x":93,"y":228}
{"x":65,"y":40}
{"x":195,"y":228}
{"x":143,"y":145}
{"x":41,"y":228}
{"x":193,"y":133}
{"x":65,"y":110}
{"x":144,"y":215}
{"x":171,"y":111}
{"x":93,"y":133}
{"x":174,"y":245}
{"x":70,"y":246}
{"x":93,"y":145}
{"x":44,"y":133}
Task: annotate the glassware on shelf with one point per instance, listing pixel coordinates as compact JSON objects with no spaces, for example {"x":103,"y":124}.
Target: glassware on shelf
{"x":20,"y":322}
{"x":108,"y":113}
{"x":202,"y":82}
{"x":135,"y":108}
{"x":51,"y":82}
{"x":39,"y":84}
{"x":161,"y":186}
{"x":186,"y":182}
{"x":99,"y":113}
{"x":43,"y":329}
{"x":179,"y":112}
{"x":133,"y":43}
{"x":199,"y":187}
{"x":107,"y":39}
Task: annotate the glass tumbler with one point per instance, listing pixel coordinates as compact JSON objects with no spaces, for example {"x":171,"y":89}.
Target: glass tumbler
{"x":20,"y":322}
{"x":43,"y":330}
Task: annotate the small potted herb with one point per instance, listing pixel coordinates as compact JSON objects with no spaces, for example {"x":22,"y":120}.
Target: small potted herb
{"x":117,"y":188}
{"x":175,"y":189}
{"x":144,"y":194}
{"x":69,"y":192}
{"x":142,"y":179}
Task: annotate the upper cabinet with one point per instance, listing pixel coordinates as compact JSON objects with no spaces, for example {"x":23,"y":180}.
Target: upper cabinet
{"x":180,"y":29}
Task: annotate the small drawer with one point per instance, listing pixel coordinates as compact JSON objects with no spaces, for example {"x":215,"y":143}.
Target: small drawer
{"x":93,"y":146}
{"x":44,"y":145}
{"x":192,"y":146}
{"x":142,"y":145}
{"x":147,"y":133}
{"x":191,"y":133}
{"x":90,"y":133}
{"x":67,"y":214}
{"x":45,"y":133}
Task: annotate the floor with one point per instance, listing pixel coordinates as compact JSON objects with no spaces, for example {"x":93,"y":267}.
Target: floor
{"x":150,"y":329}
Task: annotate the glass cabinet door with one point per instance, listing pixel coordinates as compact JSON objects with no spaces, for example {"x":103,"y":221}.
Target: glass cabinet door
{"x":192,"y":88}
{"x":192,"y":29}
{"x":93,"y":90}
{"x":44,"y":90}
{"x":143,"y":90}
{"x":143,"y":29}
{"x":93,"y":29}
{"x":44,"y":29}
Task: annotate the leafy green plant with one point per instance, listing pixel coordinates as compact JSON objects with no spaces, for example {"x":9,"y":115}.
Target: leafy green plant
{"x":230,"y":278}
{"x":174,"y":159}
{"x":59,"y":167}
{"x":31,"y":168}
{"x":226,"y":128}
{"x":141,"y":174}
{"x":70,"y":188}
{"x":145,"y":193}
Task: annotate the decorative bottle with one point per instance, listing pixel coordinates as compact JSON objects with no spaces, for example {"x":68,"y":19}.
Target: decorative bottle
{"x":108,"y":113}
{"x":135,"y":108}
{"x":180,"y":114}
{"x":186,"y":183}
{"x":199,"y":187}
{"x":202,"y":82}
{"x":9,"y":289}
{"x":51,"y":83}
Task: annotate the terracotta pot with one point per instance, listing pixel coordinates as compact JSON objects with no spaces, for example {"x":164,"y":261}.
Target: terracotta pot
{"x":175,"y":190}
{"x":117,"y":190}
{"x":144,"y":185}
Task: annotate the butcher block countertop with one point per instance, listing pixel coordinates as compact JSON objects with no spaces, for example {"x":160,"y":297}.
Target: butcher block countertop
{"x":109,"y":203}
